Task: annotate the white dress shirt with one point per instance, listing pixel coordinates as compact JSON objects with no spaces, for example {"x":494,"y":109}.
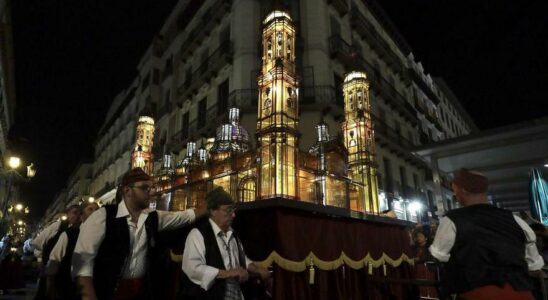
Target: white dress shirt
{"x":92,"y":233}
{"x":194,"y":261}
{"x":43,"y":237}
{"x":60,"y":248}
{"x":445,"y":239}
{"x":57,"y":254}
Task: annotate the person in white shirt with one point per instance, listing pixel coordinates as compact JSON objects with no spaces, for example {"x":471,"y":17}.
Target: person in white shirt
{"x":59,"y":282}
{"x":214,"y":261}
{"x":46,"y":240}
{"x":487,"y":251}
{"x":113,"y":255}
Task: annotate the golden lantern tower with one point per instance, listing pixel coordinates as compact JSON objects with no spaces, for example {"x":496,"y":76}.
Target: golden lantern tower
{"x":278,"y":109}
{"x":359,"y":140}
{"x":142,"y":157}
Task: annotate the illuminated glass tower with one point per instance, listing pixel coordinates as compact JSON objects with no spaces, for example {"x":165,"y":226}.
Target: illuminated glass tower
{"x":278,"y":109}
{"x":359,"y":140}
{"x":141,"y":157}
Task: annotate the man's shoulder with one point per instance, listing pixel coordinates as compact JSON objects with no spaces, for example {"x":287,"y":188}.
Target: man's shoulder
{"x":478,"y":210}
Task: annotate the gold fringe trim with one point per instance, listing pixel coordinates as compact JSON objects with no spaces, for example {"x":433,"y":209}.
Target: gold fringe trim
{"x":313,"y":261}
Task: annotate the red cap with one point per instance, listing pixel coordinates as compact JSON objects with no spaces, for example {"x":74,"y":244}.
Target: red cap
{"x":135,"y":175}
{"x":470,"y":181}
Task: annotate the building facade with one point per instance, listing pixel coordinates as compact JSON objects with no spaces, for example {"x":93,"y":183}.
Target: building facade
{"x":7,"y":85}
{"x":207,"y":58}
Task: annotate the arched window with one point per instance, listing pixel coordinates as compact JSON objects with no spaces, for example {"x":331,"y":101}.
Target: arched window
{"x":246,"y":191}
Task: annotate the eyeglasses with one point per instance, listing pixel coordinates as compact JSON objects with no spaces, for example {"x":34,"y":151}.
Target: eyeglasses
{"x":144,"y":188}
{"x":229,"y":210}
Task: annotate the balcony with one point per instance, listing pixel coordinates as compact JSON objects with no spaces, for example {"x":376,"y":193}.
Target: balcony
{"x":388,"y":137}
{"x":319,"y":94}
{"x":164,"y":110}
{"x":168,"y":71}
{"x":421,"y":107}
{"x":416,"y":77}
{"x":368,"y":32}
{"x":209,"y":20}
{"x":107,"y":187}
{"x":213,"y":119}
{"x":431,"y":116}
{"x":207,"y":70}
{"x":341,"y":6}
{"x":438,"y":125}
{"x":424,"y":138}
{"x":339,"y":49}
{"x":245,"y":99}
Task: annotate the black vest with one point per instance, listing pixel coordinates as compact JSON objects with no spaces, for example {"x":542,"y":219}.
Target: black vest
{"x":48,"y":247}
{"x":63,"y":280}
{"x":213,"y":258}
{"x":489,"y":249}
{"x":114,"y":251}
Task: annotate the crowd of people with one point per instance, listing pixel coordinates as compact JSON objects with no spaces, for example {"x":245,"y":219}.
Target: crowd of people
{"x":478,"y":251}
{"x":116,"y":251}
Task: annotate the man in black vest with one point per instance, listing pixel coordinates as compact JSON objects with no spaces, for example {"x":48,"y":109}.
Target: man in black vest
{"x":60,"y":284}
{"x":487,"y":250}
{"x":114,"y":254}
{"x":214,"y":261}
{"x":46,"y":240}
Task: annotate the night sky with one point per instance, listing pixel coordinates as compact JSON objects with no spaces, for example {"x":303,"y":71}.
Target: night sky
{"x":73,"y":57}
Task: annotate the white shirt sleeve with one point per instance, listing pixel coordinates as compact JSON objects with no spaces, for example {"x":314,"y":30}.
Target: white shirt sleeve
{"x":172,"y":220}
{"x":92,"y":233}
{"x":43,"y":237}
{"x":194,"y":262}
{"x":444,"y":240}
{"x":532,"y":257}
{"x":60,"y":248}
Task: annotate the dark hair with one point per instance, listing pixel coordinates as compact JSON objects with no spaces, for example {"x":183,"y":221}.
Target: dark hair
{"x":217,"y":197}
{"x":85,"y":204}
{"x":119,"y":194}
{"x":73,"y":206}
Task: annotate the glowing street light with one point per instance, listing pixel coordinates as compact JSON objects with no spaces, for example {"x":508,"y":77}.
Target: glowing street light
{"x":14,"y":162}
{"x":91,"y":199}
{"x":31,"y":171}
{"x":19,"y":206}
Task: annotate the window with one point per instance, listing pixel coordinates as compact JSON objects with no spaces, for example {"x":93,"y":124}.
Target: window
{"x":225,"y":34}
{"x":167,"y":98}
{"x":222,"y":97}
{"x":335,"y":26}
{"x":145,"y":82}
{"x":188,"y":76}
{"x":156,"y":76}
{"x":416,"y":181}
{"x":205,"y":56}
{"x":388,"y":172}
{"x":247,"y":190}
{"x":184,"y":126}
{"x":202,"y":111}
{"x":339,"y":97}
{"x":403,"y":177}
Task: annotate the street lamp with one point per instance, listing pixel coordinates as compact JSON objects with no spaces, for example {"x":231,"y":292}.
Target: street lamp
{"x":14,"y":162}
{"x":13,"y":178}
{"x":31,"y":171}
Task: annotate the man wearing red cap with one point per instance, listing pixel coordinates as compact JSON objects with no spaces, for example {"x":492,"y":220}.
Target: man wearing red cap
{"x":487,"y":251}
{"x":117,"y":244}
